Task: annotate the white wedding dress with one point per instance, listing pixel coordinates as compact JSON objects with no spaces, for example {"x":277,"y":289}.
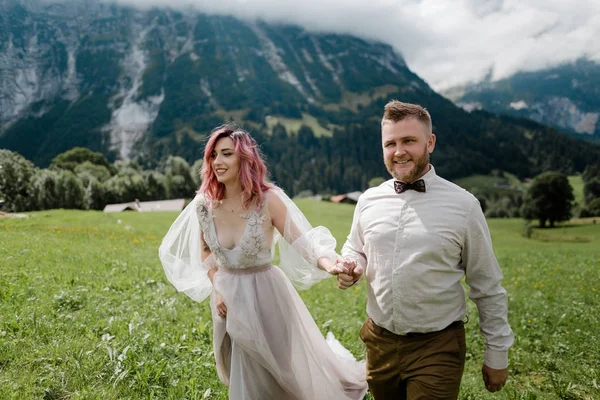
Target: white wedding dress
{"x":268,"y":346}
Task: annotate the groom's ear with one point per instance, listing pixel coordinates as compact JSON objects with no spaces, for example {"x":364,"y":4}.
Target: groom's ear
{"x":431,"y":140}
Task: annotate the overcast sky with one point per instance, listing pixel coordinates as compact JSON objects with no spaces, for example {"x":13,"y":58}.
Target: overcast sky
{"x":445,"y":42}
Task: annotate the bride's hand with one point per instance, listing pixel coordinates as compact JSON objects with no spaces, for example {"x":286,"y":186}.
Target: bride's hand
{"x":221,"y":307}
{"x":331,"y":266}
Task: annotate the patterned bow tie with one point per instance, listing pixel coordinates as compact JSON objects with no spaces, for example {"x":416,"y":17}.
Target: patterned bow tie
{"x":418,"y":185}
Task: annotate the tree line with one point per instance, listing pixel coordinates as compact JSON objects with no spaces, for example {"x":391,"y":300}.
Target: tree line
{"x":82,"y":179}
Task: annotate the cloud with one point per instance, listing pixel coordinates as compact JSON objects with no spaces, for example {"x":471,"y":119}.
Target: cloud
{"x":446,"y":43}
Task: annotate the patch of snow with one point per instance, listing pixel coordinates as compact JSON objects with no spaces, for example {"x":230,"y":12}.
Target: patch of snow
{"x":518,"y":105}
{"x":276,"y":62}
{"x":325,"y":61}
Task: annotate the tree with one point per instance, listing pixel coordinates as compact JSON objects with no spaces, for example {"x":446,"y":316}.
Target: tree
{"x":549,"y":198}
{"x":306,"y":137}
{"x":590,"y":172}
{"x":591,"y":190}
{"x":196,"y":170}
{"x":15,"y":173}
{"x":155,"y":183}
{"x":128,"y":167}
{"x":71,"y":191}
{"x":94,"y":197}
{"x":43,"y":190}
{"x":78,"y":155}
{"x":56,"y":189}
{"x":179,"y":181}
{"x":100,"y":172}
{"x":126,"y":187}
{"x":593,"y":207}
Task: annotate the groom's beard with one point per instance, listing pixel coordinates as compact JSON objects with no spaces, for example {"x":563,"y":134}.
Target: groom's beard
{"x":421,"y":164}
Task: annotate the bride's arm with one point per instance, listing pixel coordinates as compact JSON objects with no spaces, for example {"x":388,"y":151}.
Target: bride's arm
{"x":181,"y":256}
{"x":294,"y":235}
{"x":208,"y":258}
{"x":209,"y":261}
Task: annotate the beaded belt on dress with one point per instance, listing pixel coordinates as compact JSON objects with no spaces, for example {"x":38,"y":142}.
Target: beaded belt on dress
{"x":252,"y":270}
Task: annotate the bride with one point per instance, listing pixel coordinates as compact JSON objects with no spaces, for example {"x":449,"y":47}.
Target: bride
{"x":266,"y":344}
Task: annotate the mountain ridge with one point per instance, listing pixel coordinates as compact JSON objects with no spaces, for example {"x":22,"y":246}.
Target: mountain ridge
{"x":565,"y":96}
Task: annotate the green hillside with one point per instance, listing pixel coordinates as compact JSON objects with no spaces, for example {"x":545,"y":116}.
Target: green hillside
{"x":577,"y":183}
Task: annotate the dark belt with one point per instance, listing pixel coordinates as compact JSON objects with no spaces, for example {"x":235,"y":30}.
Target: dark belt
{"x":454,"y":325}
{"x":385,"y":332}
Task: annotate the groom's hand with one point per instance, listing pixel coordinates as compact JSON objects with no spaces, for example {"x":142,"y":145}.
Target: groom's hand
{"x":494,"y":379}
{"x":331,"y":266}
{"x":353,"y":273}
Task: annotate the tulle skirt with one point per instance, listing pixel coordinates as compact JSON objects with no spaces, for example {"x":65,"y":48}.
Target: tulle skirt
{"x":269,"y":346}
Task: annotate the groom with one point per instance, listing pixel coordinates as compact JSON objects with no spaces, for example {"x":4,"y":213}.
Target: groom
{"x":416,"y":236}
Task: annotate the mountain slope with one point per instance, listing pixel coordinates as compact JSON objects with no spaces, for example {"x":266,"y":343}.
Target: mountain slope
{"x":123,"y":73}
{"x":567,"y":97}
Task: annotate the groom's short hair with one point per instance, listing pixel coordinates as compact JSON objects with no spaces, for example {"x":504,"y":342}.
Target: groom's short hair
{"x":395,"y":111}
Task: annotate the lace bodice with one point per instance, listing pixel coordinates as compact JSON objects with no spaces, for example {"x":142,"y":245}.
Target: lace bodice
{"x":252,"y":250}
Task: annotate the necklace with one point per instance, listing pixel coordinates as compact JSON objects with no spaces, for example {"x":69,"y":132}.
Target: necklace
{"x":234,"y":211}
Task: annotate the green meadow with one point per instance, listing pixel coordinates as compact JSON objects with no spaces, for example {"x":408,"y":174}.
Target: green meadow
{"x":86,"y":312}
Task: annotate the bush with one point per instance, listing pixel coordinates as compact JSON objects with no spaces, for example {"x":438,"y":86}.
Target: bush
{"x":125,"y":187}
{"x":100,"y":172}
{"x":44,"y":190}
{"x":594,"y":207}
{"x":94,"y":197}
{"x":155,"y":185}
{"x":70,"y":159}
{"x":56,"y":189}
{"x":15,"y":173}
{"x":178,"y":179}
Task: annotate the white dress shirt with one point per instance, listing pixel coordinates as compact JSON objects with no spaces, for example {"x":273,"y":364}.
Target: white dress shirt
{"x":415,"y":248}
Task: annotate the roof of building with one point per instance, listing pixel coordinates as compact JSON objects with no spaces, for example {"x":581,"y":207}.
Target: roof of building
{"x":147,"y":206}
{"x":351,"y":197}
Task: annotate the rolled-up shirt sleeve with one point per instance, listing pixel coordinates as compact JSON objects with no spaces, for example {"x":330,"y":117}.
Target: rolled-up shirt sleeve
{"x":484,"y":277}
{"x":353,"y":248}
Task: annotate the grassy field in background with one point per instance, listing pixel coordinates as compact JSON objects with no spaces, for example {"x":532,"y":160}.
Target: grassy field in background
{"x":292,"y":125}
{"x":577,"y":184}
{"x":86,"y":313}
{"x":487,"y":184}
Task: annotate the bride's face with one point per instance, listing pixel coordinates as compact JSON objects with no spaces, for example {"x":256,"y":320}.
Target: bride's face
{"x":225,"y":161}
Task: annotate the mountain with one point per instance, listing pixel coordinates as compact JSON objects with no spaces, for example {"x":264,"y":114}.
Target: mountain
{"x":145,"y":84}
{"x":566,"y":97}
{"x":105,"y":76}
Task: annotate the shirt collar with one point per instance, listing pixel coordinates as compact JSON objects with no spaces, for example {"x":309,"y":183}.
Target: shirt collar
{"x":429,"y":177}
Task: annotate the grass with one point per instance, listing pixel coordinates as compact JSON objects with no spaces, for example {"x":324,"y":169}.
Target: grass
{"x":292,"y":125}
{"x":86,"y":313}
{"x":577,"y":184}
{"x":354,"y":100}
{"x":488,"y":184}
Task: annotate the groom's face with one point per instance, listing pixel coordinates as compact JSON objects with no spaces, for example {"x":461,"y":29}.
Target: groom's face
{"x":406,"y":148}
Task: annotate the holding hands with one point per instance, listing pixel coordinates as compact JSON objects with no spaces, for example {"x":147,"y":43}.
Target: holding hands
{"x":347,"y":271}
{"x":351,"y":273}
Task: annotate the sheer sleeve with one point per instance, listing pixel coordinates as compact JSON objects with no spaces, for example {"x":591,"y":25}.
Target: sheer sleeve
{"x":179,"y":254}
{"x":301,"y":245}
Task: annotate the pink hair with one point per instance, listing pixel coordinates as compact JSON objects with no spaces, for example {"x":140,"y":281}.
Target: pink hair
{"x":253,"y":171}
